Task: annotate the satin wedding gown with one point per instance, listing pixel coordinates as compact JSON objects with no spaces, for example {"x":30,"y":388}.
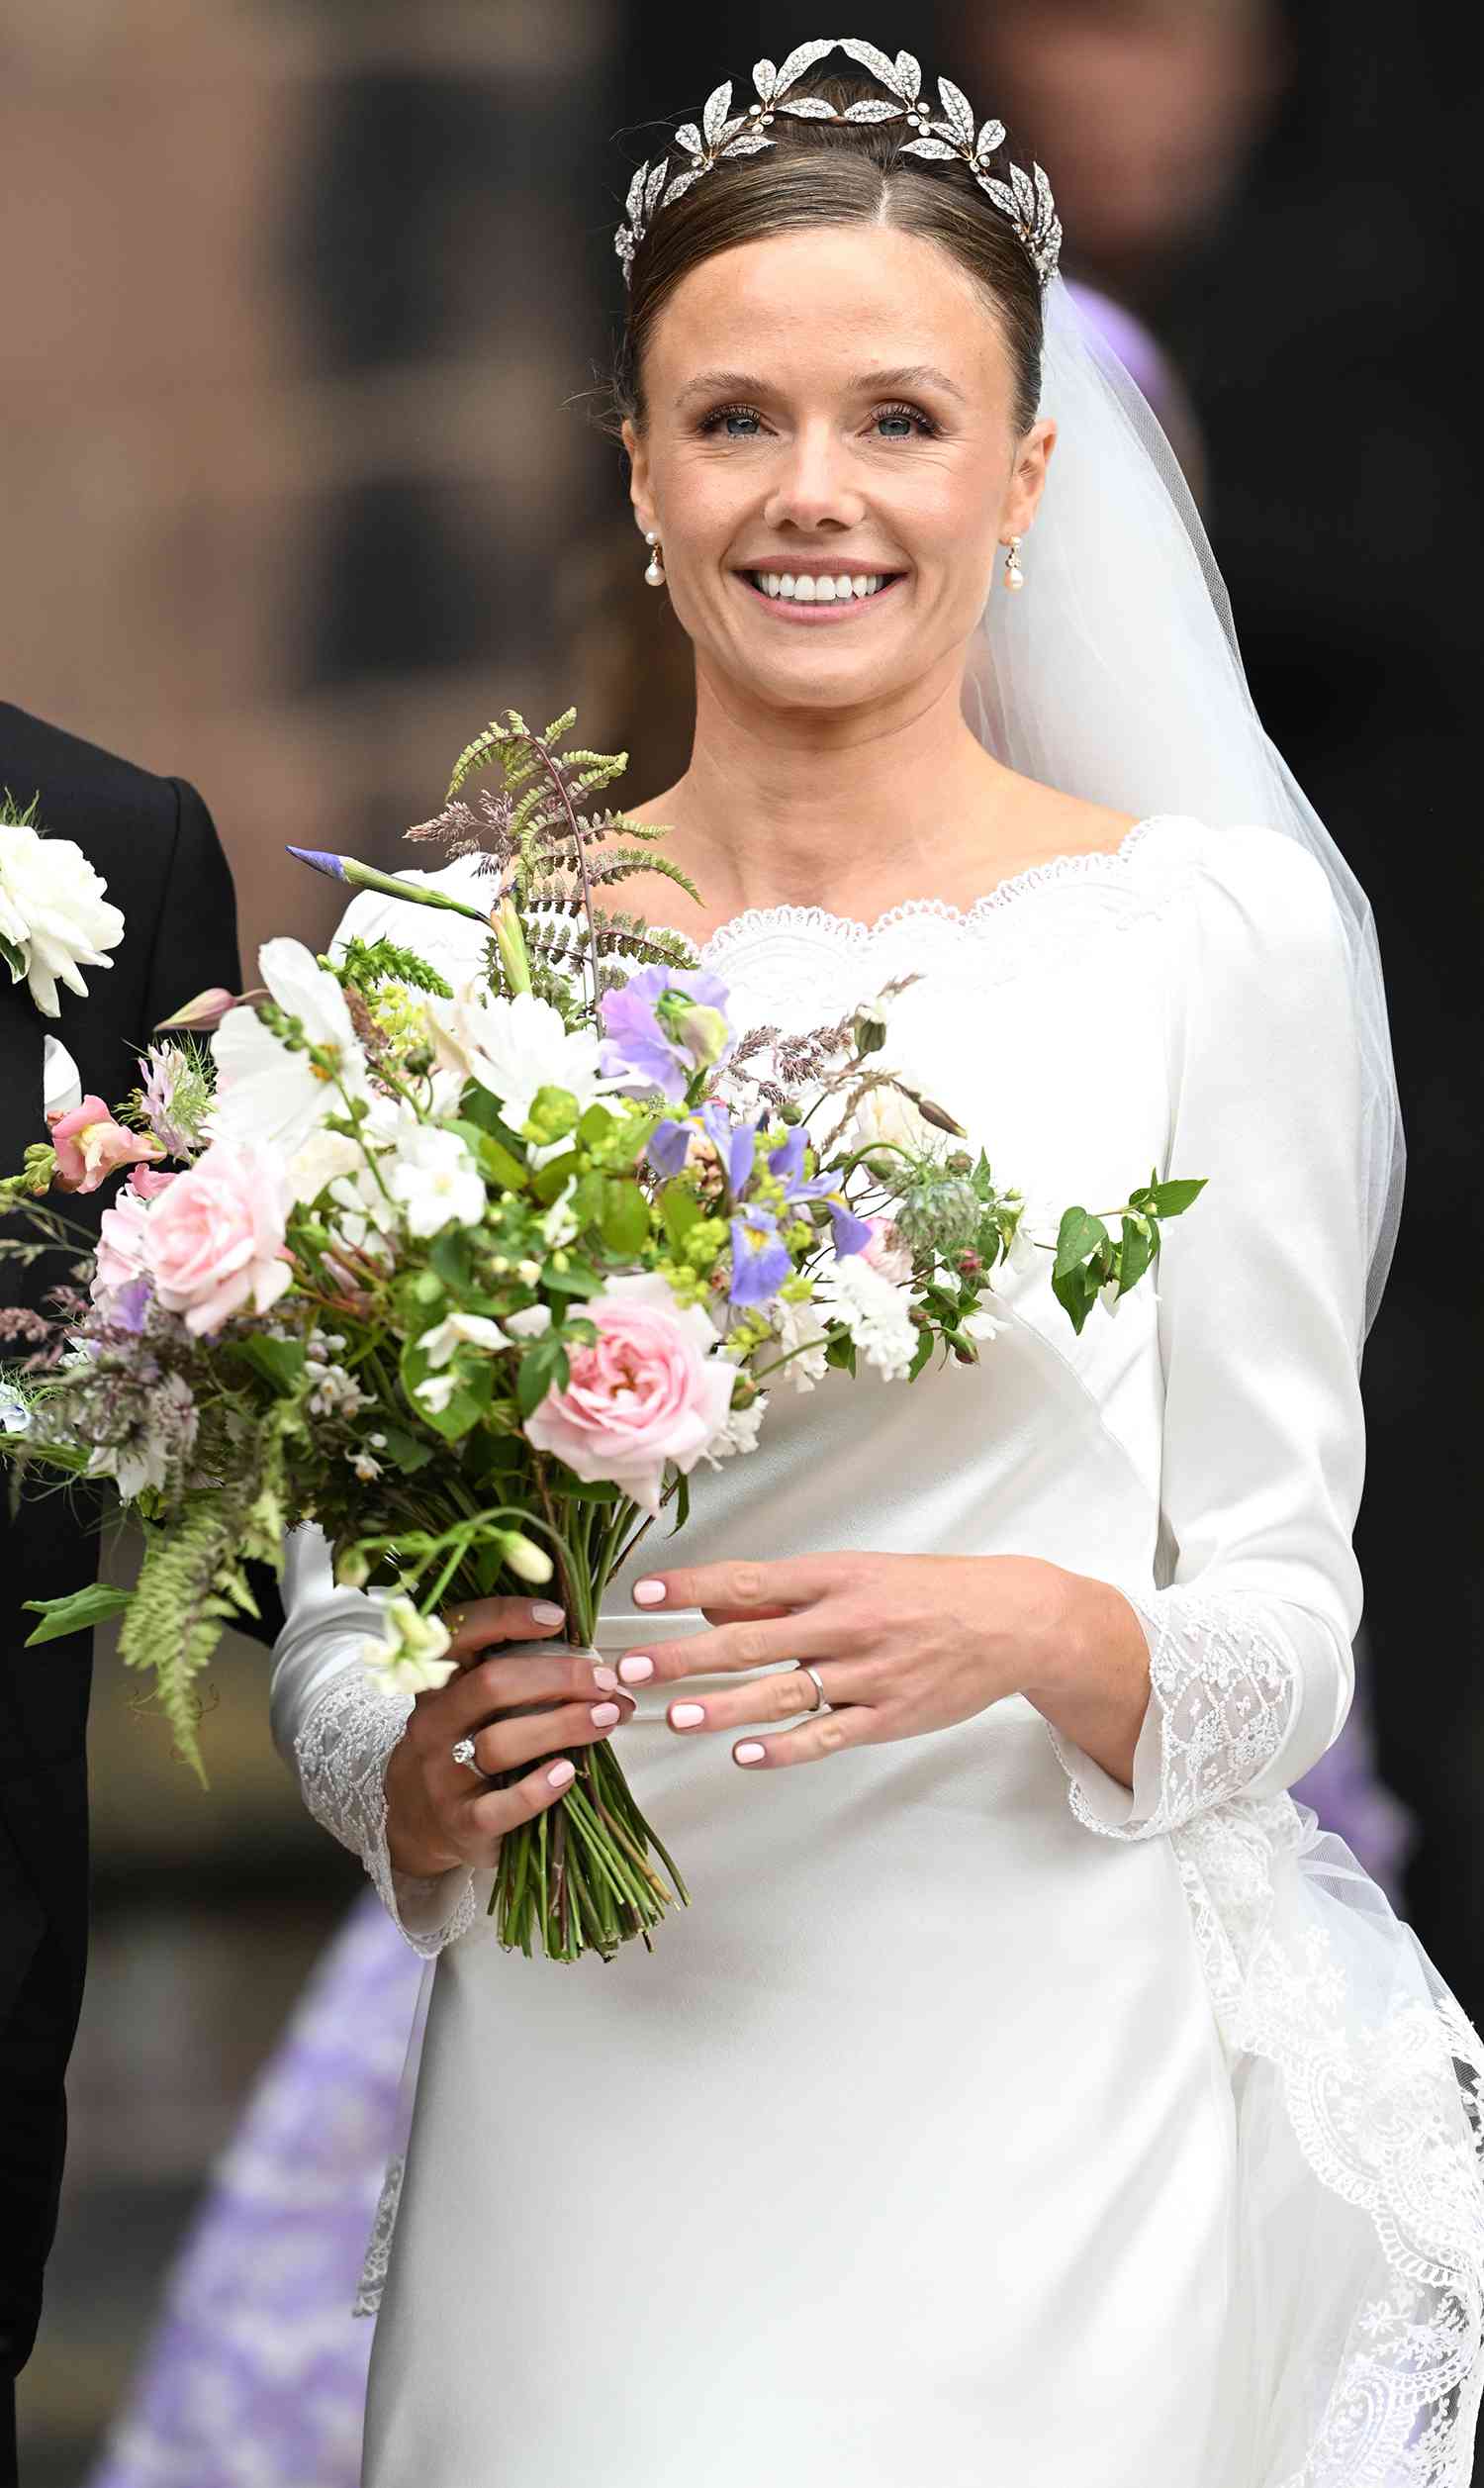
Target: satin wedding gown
{"x":983,"y":2121}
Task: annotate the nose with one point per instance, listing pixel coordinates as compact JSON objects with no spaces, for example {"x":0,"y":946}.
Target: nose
{"x":811,"y":486}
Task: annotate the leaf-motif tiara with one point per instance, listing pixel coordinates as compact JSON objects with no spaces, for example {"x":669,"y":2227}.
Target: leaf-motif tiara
{"x":1025,"y":199}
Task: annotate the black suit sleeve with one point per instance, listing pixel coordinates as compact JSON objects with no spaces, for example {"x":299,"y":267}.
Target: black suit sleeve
{"x":196,"y":935}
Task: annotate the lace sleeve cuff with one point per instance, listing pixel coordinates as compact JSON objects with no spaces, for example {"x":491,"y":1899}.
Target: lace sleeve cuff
{"x":340,"y":1753}
{"x":1224,"y":1692}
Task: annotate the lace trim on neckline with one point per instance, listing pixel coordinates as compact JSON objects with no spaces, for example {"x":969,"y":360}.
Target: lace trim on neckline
{"x":754,"y":922}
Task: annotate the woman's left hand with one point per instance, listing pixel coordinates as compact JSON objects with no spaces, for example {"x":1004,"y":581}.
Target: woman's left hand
{"x":903,"y":1644}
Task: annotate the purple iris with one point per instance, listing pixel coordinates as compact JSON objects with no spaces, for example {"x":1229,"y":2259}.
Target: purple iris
{"x":736,"y":1144}
{"x":851,"y":1234}
{"x":759,"y":1258}
{"x":647,"y":1048}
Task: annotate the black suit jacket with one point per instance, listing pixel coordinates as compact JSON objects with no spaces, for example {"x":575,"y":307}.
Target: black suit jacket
{"x":152,"y":840}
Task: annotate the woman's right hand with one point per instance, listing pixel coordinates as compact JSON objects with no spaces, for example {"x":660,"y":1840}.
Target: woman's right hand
{"x":440,"y":1813}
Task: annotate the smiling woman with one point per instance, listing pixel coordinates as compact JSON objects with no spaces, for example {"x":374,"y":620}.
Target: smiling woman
{"x":1027,"y":2094}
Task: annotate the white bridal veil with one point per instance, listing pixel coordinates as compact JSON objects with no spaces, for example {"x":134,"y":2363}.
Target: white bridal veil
{"x":1356,"y":2077}
{"x":1116,"y":676}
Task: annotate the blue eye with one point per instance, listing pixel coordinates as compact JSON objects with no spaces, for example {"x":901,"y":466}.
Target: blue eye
{"x":919,"y":425}
{"x":731,"y":415}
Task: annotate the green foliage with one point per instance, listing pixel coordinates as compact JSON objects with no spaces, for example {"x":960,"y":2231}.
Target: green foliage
{"x":193,"y":1581}
{"x":98,"y":1603}
{"x":559,"y":856}
{"x":367,"y":963}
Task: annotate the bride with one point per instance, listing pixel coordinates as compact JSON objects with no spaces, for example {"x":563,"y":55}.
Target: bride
{"x":1030,"y":2093}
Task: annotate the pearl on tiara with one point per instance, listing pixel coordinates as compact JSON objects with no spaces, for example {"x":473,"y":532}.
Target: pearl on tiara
{"x":1024,"y":199}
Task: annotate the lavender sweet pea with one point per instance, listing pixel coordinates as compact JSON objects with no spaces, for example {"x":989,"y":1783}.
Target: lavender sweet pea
{"x":761,"y":1261}
{"x":851,"y":1234}
{"x":663,"y":1026}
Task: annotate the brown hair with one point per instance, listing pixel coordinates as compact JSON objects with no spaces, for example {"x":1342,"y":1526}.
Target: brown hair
{"x":820,"y":172}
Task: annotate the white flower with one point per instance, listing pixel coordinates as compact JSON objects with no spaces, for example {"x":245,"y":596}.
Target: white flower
{"x":61,"y":1081}
{"x":54,"y":916}
{"x":274,"y":1099}
{"x":471,"y":1330}
{"x":367,"y":1469}
{"x":313,"y":996}
{"x":981,"y":1326}
{"x":408,"y":1656}
{"x":15,"y":1415}
{"x":558,"y":1224}
{"x":337,"y":1393}
{"x":436,"y":1391}
{"x":874,"y":1311}
{"x":514,"y":1046}
{"x":434,"y":1181}
{"x":885,"y":1118}
{"x":798,"y":1327}
{"x":529,"y":1322}
{"x":740,"y":1432}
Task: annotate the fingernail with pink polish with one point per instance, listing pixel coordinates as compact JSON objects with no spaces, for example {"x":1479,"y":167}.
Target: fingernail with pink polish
{"x":649,"y":1594}
{"x":606,"y":1678}
{"x":686,"y":1714}
{"x":748,"y":1753}
{"x":543,"y":1611}
{"x":560,"y":1774}
{"x":636,"y":1670}
{"x":603,"y":1714}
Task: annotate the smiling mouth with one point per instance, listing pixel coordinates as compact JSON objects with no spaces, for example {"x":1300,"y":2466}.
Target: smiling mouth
{"x":811,"y":595}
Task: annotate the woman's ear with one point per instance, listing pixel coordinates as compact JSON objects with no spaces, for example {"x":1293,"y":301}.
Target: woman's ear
{"x":638,"y":474}
{"x":1028,"y":481}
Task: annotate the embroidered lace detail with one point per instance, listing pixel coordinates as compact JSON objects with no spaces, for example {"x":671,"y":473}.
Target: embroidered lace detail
{"x":1224,"y":1694}
{"x":847,"y":932}
{"x":374,"y":2270}
{"x":1380,"y":2078}
{"x":340,"y":1753}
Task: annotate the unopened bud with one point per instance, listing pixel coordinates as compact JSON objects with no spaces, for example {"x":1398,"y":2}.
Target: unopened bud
{"x":509,"y":945}
{"x":959,"y":1162}
{"x":352,"y":1571}
{"x":526,"y":1561}
{"x":869,"y":1031}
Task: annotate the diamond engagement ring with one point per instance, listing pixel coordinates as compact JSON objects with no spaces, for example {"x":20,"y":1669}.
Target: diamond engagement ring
{"x":463,"y":1752}
{"x":821,"y":1705}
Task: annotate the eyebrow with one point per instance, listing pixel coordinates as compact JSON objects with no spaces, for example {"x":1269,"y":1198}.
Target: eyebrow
{"x":746,"y":383}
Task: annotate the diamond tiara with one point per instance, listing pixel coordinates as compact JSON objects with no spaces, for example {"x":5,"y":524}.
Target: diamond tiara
{"x":1025,"y":199}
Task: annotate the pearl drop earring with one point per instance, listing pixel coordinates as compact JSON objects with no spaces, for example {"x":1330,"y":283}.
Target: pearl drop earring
{"x":654,"y":576}
{"x":1014,"y":575}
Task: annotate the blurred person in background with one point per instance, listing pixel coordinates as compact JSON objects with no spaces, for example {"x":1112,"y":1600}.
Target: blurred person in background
{"x":65,"y":1047}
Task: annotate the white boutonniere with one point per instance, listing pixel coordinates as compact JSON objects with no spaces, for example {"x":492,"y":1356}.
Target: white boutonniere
{"x":54,"y":920}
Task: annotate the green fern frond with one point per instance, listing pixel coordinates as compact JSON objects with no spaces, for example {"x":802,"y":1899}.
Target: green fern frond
{"x":367,"y":963}
{"x":477,"y":755}
{"x":559,"y":726}
{"x":625,"y":861}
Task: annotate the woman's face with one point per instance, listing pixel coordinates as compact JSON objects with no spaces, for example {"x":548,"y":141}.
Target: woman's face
{"x":833,"y":405}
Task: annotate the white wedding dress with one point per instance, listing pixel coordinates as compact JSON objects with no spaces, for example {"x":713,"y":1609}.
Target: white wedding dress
{"x":983,"y":2121}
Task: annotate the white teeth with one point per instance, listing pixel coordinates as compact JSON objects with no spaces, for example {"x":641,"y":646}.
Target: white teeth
{"x":815,"y":588}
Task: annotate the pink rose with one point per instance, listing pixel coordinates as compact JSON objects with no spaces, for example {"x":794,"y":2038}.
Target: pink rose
{"x":887,"y":1252}
{"x":215,"y":1239}
{"x":90,"y":1145}
{"x":653,"y":1390}
{"x":147,"y":1181}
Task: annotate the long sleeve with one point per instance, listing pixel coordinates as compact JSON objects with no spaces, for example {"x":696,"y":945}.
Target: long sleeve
{"x":336,"y":1728}
{"x":1260,"y":1292}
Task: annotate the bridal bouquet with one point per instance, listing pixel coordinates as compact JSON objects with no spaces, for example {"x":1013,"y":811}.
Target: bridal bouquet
{"x":479,"y":1280}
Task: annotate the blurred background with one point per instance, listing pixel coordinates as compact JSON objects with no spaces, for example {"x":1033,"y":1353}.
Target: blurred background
{"x":301,"y":307}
